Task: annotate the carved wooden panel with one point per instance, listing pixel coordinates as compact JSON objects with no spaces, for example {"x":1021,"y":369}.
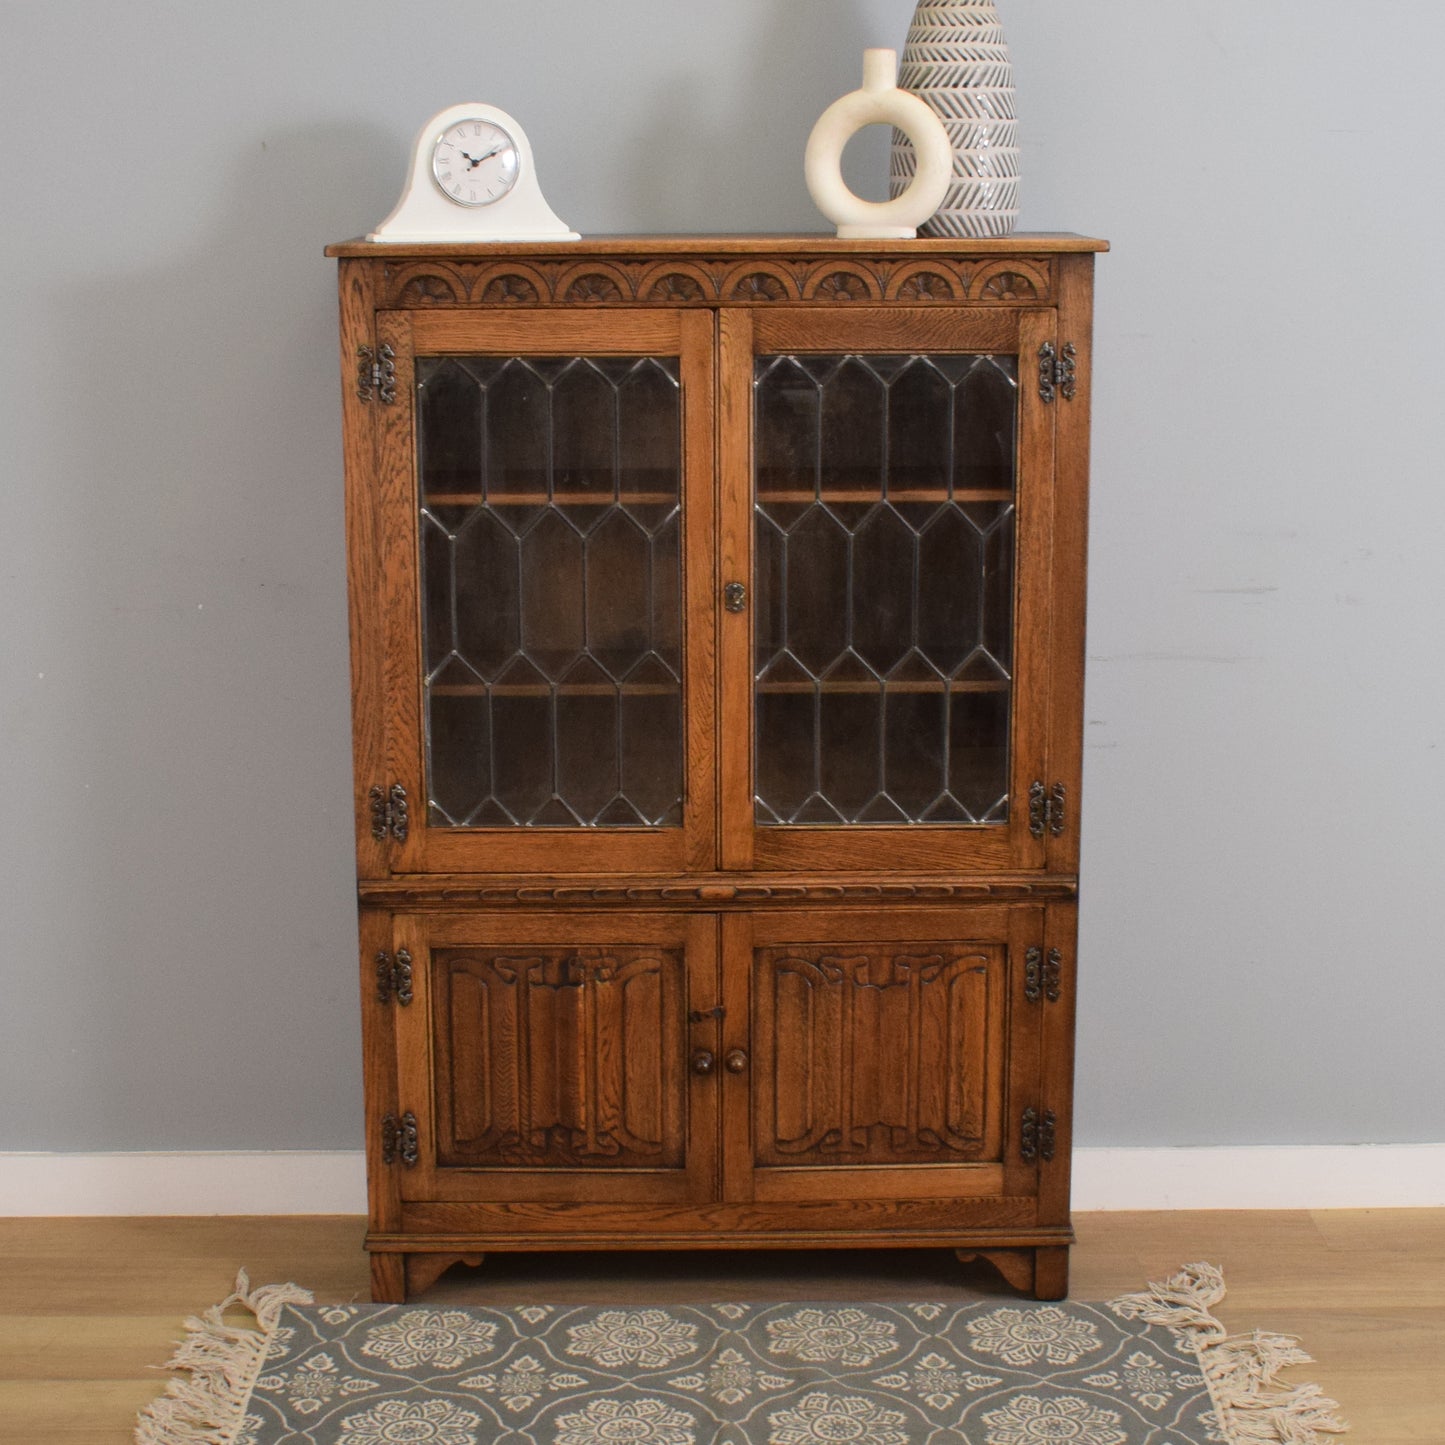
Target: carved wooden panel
{"x":722,"y":280}
{"x":559,"y":1057}
{"x":877,"y":1054}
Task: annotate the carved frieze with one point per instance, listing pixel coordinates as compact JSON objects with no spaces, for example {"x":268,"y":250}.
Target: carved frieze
{"x":599,"y":281}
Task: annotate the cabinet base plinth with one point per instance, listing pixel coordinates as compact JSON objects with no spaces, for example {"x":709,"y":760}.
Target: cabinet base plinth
{"x":403,"y":1267}
{"x":1042,"y":1272}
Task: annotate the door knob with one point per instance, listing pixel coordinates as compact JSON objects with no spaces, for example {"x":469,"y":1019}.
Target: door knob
{"x":703,"y":1062}
{"x":737,"y":1062}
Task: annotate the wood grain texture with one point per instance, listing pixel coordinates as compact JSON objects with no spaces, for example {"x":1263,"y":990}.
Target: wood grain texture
{"x":721,"y":1031}
{"x":364,"y":561}
{"x":1021,"y":243}
{"x":550,"y":1059}
{"x":1068,"y":584}
{"x":731,"y":891}
{"x":89,"y":1307}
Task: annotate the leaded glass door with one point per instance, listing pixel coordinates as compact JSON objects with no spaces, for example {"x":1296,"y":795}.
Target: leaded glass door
{"x":548,"y":516}
{"x":887,"y":485}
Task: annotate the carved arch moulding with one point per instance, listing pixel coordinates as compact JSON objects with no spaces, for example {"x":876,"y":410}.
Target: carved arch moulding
{"x":601,"y":281}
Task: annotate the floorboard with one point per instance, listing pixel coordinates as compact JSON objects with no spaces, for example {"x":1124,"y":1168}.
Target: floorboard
{"x":88,"y":1307}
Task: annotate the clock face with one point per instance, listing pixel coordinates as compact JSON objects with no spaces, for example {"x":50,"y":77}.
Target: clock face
{"x":475,"y":163}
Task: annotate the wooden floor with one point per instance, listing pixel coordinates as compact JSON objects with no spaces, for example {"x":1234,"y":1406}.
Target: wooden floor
{"x":88,"y":1305}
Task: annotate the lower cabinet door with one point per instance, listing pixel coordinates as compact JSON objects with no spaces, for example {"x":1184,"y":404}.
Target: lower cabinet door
{"x":556,"y":1058}
{"x":880,"y":1055}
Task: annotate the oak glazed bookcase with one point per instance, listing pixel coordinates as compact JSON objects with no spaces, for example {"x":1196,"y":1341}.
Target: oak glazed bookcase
{"x":717,"y":643}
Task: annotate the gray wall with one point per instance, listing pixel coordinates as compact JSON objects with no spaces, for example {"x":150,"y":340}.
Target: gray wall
{"x":1265,"y":704}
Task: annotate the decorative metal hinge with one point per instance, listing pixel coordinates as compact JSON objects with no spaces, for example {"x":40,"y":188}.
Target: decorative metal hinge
{"x":399,"y":1140}
{"x":389,"y":813}
{"x":1058,"y":371}
{"x":394,"y":976}
{"x":1034,"y":974}
{"x":1037,"y":1136}
{"x":1047,"y":809}
{"x":1042,"y":976}
{"x":1053,"y":969}
{"x":376,"y":374}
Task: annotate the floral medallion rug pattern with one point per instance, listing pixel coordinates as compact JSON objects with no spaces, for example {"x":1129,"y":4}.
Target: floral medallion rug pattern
{"x":1149,"y":1369}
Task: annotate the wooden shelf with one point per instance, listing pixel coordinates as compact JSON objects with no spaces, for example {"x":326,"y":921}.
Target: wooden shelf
{"x":562,"y":499}
{"x":892,"y":689}
{"x":609,"y":499}
{"x":894,"y":494}
{"x":561,"y":689}
{"x":671,"y":689}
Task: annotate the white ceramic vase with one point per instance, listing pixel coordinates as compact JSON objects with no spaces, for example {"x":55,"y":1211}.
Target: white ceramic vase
{"x":956,"y":59}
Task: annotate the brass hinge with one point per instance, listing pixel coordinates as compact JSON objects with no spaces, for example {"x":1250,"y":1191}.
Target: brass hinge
{"x":394,"y":976}
{"x":399,"y":1140}
{"x":1037,"y":1135}
{"x":1047,"y":809}
{"x":1058,"y":371}
{"x":376,"y":374}
{"x":389,"y":813}
{"x":1053,"y":970}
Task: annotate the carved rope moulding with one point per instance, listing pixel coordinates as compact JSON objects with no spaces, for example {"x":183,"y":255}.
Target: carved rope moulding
{"x":828,"y":280}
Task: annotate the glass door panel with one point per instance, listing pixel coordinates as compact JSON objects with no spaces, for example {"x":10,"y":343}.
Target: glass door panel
{"x":896,"y":659}
{"x":551,"y":462}
{"x":551,"y":590}
{"x":884,"y":564}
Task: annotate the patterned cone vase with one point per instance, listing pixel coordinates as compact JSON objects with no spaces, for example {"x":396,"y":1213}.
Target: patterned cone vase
{"x":957,"y":60}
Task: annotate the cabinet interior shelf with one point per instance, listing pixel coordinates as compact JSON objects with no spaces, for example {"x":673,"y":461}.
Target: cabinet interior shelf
{"x":670,"y":689}
{"x":894,"y":494}
{"x":561,"y":689}
{"x":558,"y":499}
{"x":829,"y":495}
{"x":891,"y":689}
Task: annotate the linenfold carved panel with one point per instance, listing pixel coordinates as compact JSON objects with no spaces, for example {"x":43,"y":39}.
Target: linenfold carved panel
{"x":728,"y":281}
{"x":877,"y":1054}
{"x":550,"y":1057}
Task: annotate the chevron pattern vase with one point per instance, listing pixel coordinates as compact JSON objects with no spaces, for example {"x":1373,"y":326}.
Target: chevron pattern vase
{"x":957,"y":60}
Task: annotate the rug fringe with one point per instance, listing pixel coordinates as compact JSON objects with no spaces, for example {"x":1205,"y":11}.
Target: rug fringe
{"x":206,"y":1403}
{"x":1250,"y":1404}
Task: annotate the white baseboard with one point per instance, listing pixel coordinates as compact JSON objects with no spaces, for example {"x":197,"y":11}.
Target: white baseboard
{"x":242,"y":1182}
{"x":1364,"y":1176}
{"x":1289,"y":1176}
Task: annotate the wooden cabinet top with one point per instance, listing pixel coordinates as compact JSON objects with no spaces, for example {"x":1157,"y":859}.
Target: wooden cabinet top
{"x":1029,"y":243}
{"x":713,"y":271}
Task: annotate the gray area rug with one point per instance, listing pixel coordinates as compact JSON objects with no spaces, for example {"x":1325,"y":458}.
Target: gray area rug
{"x":1150,"y":1369}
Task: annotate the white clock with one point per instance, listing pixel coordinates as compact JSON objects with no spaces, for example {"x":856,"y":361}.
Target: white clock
{"x":475,"y":162}
{"x":472,"y":178}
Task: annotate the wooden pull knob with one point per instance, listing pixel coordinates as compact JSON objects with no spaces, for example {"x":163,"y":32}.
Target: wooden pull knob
{"x":737,"y":1062}
{"x":703,"y":1062}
